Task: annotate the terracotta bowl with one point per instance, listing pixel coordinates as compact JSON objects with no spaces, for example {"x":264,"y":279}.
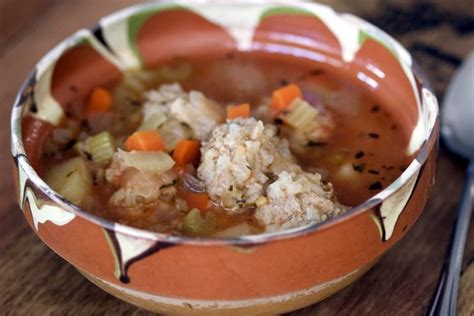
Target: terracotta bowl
{"x":262,"y":274}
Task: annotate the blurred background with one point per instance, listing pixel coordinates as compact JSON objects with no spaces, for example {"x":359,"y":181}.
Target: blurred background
{"x":35,"y":281}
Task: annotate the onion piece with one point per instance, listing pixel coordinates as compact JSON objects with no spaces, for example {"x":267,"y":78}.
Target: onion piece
{"x":191,"y":183}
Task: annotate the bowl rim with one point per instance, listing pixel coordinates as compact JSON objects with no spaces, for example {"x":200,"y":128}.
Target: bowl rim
{"x":21,"y":159}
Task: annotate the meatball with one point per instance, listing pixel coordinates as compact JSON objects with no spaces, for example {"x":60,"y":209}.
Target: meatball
{"x":297,"y":199}
{"x":240,"y":159}
{"x":245,"y":164}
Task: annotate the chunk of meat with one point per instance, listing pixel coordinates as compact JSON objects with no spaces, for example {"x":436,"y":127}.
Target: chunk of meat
{"x":194,"y":109}
{"x":161,"y":98}
{"x":200,"y":113}
{"x":138,"y":191}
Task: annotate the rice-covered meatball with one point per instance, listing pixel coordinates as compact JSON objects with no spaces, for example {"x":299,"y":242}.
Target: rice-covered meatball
{"x":240,"y":159}
{"x":245,"y":164}
{"x":295,"y":200}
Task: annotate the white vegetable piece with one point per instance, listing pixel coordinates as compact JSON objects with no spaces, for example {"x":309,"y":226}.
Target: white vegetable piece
{"x":156,"y":162}
{"x":300,"y":114}
{"x":71,"y":179}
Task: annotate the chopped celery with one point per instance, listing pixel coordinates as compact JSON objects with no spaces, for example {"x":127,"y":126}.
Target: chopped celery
{"x":82,"y":149}
{"x":147,"y":78}
{"x":101,"y":147}
{"x":133,"y":83}
{"x":153,"y":122}
{"x":156,"y":162}
{"x":172,"y":132}
{"x":197,"y":225}
{"x":242,"y":229}
{"x":300,"y":114}
{"x":178,"y":73}
{"x":71,"y":179}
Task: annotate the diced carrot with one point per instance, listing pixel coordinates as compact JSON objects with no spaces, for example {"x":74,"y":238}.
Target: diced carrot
{"x":145,"y":141}
{"x":196,"y":200}
{"x":236,"y":111}
{"x":100,"y":100}
{"x":282,"y":97}
{"x":186,"y":151}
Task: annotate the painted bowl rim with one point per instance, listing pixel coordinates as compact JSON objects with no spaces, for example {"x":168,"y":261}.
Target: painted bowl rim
{"x":20,"y":157}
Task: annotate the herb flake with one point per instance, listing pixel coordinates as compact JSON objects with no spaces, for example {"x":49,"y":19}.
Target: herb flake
{"x":315,"y":144}
{"x":164,"y":186}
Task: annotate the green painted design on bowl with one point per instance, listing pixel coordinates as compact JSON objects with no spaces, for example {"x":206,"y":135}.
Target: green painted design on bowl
{"x":285,"y":10}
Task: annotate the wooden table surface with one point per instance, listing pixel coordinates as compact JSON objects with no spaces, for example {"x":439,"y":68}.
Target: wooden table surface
{"x":35,"y":281}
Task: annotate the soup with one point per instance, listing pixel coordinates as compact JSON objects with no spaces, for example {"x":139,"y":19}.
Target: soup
{"x":244,"y":144}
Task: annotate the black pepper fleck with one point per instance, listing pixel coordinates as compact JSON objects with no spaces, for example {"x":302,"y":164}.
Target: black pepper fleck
{"x":134,"y":102}
{"x":316,"y":72}
{"x":359,"y":167}
{"x":371,"y":171}
{"x":375,"y":108}
{"x":278,"y":121}
{"x":359,"y":155}
{"x":284,"y":82}
{"x":375,"y":186}
{"x":70,"y":144}
{"x":374,"y":135}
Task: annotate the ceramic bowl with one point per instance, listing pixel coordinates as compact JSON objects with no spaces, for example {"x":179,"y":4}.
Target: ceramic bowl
{"x":262,"y":274}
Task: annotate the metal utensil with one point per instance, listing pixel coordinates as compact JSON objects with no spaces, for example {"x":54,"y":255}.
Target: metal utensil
{"x":457,"y":130}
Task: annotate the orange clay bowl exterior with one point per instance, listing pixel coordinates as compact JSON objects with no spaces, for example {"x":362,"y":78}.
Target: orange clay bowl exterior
{"x":261,"y":274}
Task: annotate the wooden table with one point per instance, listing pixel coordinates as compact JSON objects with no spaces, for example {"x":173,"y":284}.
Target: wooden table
{"x":35,"y":281}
